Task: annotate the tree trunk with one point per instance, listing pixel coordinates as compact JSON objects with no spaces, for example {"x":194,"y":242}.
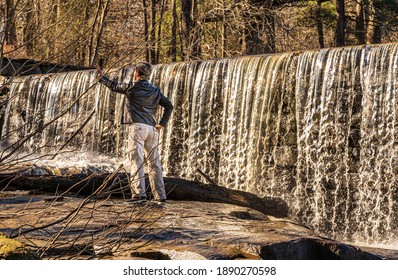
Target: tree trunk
{"x":177,"y":189}
{"x":224,"y":30}
{"x":369,"y":20}
{"x":101,"y":26}
{"x":186,"y":25}
{"x":146,"y":30}
{"x":173,"y":43}
{"x":189,"y":33}
{"x":29,"y":29}
{"x":58,"y":31}
{"x":368,"y":30}
{"x":159,"y":41}
{"x":2,"y":28}
{"x":85,"y":48}
{"x":360,"y":32}
{"x":96,"y":31}
{"x":152,"y":33}
{"x":196,"y":32}
{"x":374,"y":29}
{"x":10,"y":27}
{"x":319,"y":24}
{"x":341,"y":23}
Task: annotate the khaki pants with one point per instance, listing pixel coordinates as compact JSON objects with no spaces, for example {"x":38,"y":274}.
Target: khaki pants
{"x":145,"y":138}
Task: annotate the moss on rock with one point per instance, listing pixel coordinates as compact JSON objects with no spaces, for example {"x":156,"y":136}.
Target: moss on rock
{"x":11,"y":249}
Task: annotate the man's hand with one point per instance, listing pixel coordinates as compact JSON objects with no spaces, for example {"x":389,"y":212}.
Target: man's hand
{"x":158,"y":127}
{"x":99,"y":72}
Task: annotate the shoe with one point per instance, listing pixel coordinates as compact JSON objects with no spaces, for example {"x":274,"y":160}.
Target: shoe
{"x":135,"y":199}
{"x":160,"y":202}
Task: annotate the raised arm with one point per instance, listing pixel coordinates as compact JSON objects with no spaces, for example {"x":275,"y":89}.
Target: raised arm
{"x":112,"y":85}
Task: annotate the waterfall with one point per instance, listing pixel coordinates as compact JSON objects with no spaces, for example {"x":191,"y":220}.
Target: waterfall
{"x":315,"y":128}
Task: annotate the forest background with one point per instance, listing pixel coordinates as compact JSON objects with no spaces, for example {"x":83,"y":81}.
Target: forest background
{"x":80,"y":32}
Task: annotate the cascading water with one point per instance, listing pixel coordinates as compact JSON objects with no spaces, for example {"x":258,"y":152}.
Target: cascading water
{"x":378,"y":197}
{"x":316,"y":128}
{"x":60,"y":114}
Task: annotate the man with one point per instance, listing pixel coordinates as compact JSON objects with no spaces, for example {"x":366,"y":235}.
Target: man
{"x":142,"y":102}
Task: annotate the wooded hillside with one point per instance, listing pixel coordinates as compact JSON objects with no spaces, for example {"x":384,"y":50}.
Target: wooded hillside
{"x":79,"y":32}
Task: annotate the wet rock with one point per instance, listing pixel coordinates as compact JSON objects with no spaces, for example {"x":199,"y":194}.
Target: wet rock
{"x":176,"y":188}
{"x":183,"y":230}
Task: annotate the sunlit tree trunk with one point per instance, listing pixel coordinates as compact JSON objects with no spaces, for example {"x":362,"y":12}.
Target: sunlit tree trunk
{"x":58,"y":31}
{"x":152,"y":32}
{"x":146,"y":30}
{"x":224,"y":31}
{"x":186,"y":25}
{"x":149,"y":16}
{"x":97,"y":31}
{"x":100,"y":32}
{"x":360,"y":32}
{"x":85,"y":56}
{"x":368,"y":28}
{"x":159,"y":29}
{"x":373,"y":32}
{"x":173,"y":43}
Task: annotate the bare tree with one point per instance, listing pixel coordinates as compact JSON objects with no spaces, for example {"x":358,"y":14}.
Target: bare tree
{"x":78,"y":31}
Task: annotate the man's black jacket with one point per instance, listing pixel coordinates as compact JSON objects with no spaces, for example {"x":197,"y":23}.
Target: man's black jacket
{"x":142,"y":100}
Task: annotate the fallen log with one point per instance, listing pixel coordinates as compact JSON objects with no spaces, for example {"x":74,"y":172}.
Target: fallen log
{"x":180,"y":189}
{"x":117,"y":185}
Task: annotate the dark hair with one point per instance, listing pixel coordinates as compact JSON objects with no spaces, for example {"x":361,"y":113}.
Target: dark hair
{"x":144,"y":69}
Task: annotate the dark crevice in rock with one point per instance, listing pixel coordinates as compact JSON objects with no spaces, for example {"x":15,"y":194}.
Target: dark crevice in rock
{"x":152,"y":255}
{"x":243,"y":215}
{"x":313,"y":249}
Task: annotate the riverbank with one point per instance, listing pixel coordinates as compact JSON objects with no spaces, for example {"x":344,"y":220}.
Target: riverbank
{"x":72,"y":227}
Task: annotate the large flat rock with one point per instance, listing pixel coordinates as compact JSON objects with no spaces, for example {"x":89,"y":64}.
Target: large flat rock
{"x":74,"y":227}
